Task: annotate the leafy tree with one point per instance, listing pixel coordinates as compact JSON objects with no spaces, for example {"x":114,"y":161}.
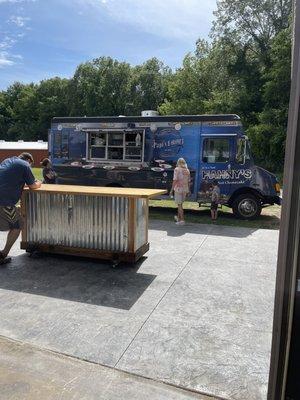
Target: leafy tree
{"x":24,"y":115}
{"x":189,"y":87}
{"x":100,"y":87}
{"x":245,"y":69}
{"x":268,"y":136}
{"x":148,"y":86}
{"x":52,"y":101}
{"x":5,"y":115}
{"x":252,"y":22}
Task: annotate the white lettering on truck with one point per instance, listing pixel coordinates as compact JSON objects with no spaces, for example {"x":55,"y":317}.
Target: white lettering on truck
{"x":226,"y":175}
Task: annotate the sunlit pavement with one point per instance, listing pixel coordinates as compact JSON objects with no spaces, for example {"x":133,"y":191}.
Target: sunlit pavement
{"x":195,"y":313}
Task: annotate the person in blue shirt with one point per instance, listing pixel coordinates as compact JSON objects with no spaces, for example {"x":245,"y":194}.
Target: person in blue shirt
{"x":15,"y":172}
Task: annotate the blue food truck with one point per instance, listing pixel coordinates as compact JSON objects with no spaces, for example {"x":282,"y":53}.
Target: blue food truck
{"x":142,"y":151}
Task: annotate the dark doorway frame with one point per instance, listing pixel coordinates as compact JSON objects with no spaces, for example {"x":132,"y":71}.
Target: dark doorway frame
{"x":288,"y":270}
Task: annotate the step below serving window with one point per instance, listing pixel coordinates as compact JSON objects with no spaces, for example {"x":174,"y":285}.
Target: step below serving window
{"x":116,"y":145}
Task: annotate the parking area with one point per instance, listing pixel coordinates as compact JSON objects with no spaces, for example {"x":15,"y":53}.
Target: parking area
{"x":196,"y":312}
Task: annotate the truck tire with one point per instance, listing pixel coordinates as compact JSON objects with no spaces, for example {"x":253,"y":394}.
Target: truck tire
{"x":246,"y":206}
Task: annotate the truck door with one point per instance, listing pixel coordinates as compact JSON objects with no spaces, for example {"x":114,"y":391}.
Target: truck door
{"x":242,"y":162}
{"x":215,"y":163}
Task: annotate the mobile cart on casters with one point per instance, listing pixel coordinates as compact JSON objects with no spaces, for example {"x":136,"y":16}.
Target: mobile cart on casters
{"x":97,"y":222}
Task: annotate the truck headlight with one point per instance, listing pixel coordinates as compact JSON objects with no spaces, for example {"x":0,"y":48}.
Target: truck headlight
{"x":277,"y":187}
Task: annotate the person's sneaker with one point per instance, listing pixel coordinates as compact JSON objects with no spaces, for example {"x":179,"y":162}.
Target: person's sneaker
{"x":175,"y":218}
{"x":180,"y":223}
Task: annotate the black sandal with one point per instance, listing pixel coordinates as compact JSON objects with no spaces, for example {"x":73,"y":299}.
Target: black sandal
{"x":4,"y":259}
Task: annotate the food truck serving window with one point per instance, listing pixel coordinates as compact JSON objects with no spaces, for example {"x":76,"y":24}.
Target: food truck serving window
{"x":116,"y":145}
{"x":215,"y":150}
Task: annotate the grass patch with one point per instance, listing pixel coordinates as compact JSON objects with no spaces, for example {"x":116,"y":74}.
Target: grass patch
{"x":166,"y":209}
{"x":38,"y":173}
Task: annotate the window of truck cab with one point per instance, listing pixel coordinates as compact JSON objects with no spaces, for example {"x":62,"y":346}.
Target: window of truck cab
{"x":116,"y":145}
{"x":242,"y":150}
{"x":216,"y":150}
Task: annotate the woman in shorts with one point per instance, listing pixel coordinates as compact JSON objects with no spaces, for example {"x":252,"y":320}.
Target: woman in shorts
{"x":180,"y":188}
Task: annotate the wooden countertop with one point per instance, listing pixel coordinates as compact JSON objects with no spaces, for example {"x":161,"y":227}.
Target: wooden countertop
{"x":101,"y":191}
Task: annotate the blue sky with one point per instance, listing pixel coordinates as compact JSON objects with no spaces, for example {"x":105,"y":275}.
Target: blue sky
{"x":45,"y":38}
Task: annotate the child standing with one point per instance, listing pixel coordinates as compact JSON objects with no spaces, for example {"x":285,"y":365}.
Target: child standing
{"x":49,"y":174}
{"x":215,"y":199}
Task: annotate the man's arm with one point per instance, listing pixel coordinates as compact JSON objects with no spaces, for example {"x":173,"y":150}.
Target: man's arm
{"x":35,"y":185}
{"x":30,"y":180}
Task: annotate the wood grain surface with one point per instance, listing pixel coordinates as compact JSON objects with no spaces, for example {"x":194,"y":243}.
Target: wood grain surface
{"x":101,"y":191}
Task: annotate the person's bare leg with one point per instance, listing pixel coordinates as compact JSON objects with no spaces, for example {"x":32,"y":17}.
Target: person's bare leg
{"x":180,"y":212}
{"x":12,"y":236}
{"x":212,"y":214}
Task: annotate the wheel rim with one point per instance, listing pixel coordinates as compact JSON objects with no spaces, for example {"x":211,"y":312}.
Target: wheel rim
{"x":247,"y":207}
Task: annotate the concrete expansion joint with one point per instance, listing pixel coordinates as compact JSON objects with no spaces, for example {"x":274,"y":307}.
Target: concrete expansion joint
{"x":161,"y":299}
{"x":23,"y":344}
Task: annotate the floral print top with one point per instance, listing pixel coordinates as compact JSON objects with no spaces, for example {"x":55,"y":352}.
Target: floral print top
{"x":181,"y":180}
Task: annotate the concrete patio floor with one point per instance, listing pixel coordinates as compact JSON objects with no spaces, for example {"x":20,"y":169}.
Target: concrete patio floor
{"x":196,"y":312}
{"x":29,"y":373}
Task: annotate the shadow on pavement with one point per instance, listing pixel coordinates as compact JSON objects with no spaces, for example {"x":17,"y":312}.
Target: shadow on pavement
{"x":203,"y":229}
{"x":76,"y":279}
{"x":227,"y":220}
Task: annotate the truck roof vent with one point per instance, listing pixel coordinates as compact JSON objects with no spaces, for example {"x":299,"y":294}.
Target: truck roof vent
{"x":150,"y":113}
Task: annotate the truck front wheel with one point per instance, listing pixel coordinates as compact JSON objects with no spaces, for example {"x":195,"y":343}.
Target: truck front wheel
{"x":246,"y":206}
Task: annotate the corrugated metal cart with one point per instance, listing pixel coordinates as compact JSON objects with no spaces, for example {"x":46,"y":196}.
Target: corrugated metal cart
{"x":98,"y":222}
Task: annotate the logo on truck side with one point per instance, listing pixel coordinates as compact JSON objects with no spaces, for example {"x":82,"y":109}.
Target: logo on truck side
{"x":167,"y":143}
{"x":234,"y":174}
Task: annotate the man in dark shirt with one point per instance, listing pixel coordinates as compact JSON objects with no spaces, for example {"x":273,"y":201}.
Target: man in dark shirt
{"x":15,"y":172}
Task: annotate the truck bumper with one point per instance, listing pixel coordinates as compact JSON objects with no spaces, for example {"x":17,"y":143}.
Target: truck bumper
{"x":273,"y":200}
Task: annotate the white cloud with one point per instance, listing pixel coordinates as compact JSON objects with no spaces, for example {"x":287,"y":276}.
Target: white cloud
{"x":7,"y":42}
{"x":180,"y":19}
{"x":18,"y":20}
{"x":5,"y":60}
{"x":17,"y":1}
{"x":17,"y":56}
{"x":17,"y":28}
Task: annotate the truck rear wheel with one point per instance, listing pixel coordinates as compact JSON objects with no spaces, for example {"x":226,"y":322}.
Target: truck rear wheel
{"x":246,"y":206}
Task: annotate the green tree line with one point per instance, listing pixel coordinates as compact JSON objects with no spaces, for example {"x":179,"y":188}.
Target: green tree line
{"x":243,"y":69}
